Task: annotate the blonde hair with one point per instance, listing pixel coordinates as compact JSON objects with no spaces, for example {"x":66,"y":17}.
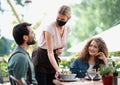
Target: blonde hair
{"x":65,"y":10}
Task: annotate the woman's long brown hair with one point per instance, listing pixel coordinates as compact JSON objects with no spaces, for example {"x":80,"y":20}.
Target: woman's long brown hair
{"x":84,"y":54}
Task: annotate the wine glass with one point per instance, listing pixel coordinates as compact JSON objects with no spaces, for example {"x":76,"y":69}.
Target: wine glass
{"x":92,"y":73}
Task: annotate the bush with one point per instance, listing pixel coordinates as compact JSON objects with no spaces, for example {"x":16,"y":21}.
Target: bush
{"x":4,"y":69}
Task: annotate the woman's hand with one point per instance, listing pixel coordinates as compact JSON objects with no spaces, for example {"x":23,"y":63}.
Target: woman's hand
{"x":57,"y":75}
{"x":59,"y":51}
{"x":101,"y":56}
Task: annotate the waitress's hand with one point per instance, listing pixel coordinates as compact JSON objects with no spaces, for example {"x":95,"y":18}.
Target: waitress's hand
{"x":57,"y":75}
{"x":59,"y":51}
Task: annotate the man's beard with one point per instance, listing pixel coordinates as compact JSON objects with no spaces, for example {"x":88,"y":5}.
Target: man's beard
{"x":31,"y":42}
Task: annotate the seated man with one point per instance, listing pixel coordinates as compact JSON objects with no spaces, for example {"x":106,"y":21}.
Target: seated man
{"x":19,"y":64}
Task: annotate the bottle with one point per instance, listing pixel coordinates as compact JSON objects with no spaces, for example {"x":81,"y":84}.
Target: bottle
{"x":115,"y":78}
{"x":115,"y":74}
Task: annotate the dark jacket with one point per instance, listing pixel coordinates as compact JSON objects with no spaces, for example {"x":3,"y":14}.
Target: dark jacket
{"x":79,"y":67}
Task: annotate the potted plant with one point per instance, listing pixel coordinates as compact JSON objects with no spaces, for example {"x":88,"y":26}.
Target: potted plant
{"x":106,"y":72}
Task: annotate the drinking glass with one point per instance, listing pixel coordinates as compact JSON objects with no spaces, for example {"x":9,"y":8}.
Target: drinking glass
{"x":92,"y":73}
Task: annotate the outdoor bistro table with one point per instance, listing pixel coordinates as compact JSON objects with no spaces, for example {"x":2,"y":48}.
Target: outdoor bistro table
{"x":80,"y":82}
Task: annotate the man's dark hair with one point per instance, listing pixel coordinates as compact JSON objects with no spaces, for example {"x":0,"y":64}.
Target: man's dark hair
{"x":19,"y":31}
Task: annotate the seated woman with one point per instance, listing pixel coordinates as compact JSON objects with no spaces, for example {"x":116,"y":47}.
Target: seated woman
{"x":93,"y":54}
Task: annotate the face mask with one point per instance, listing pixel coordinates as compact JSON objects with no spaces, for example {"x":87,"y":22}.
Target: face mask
{"x":60,"y":22}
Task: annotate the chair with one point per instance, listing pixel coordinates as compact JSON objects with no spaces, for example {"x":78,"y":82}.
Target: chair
{"x":13,"y":80}
{"x":25,"y":82}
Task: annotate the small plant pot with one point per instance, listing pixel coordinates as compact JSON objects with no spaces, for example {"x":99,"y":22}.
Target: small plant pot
{"x":108,"y":80}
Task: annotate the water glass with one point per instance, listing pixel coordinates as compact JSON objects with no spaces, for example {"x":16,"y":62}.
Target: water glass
{"x":92,"y":73}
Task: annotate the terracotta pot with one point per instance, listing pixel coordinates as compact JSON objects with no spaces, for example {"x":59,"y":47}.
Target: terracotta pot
{"x":108,"y":80}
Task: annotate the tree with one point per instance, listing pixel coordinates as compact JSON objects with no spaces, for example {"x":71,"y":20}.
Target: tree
{"x":92,"y":17}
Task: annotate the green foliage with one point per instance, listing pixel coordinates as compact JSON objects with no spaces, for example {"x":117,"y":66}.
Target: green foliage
{"x":115,"y":53}
{"x":117,"y":65}
{"x":19,"y":2}
{"x":106,"y":70}
{"x":64,"y":64}
{"x":92,"y":17}
{"x":4,"y":66}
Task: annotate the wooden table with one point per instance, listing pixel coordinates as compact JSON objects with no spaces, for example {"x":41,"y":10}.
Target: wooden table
{"x":80,"y":82}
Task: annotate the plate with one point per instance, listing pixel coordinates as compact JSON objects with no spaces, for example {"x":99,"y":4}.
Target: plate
{"x":69,"y":80}
{"x":97,"y":77}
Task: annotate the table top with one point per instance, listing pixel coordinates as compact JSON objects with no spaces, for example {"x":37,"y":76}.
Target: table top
{"x":80,"y":81}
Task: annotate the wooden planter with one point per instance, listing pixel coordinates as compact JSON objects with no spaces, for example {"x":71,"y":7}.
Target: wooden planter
{"x":108,"y":80}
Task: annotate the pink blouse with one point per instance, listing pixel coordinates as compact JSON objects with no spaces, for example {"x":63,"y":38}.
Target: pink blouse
{"x":58,"y":41}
